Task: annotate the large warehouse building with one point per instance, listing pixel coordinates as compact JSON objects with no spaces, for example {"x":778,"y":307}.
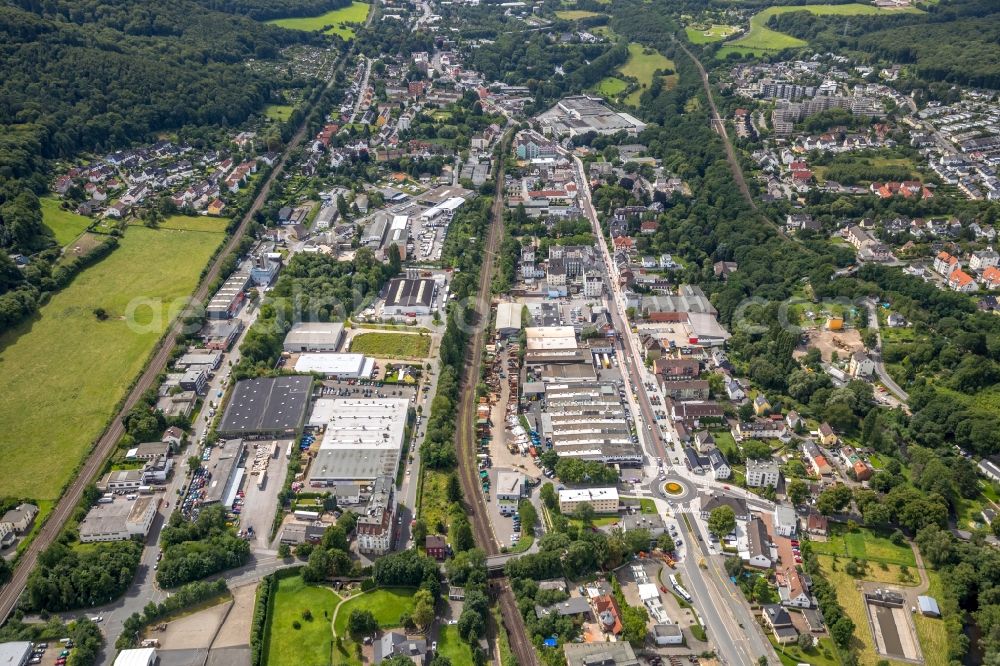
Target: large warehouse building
{"x":267,"y":407}
{"x":119,"y":519}
{"x":307,"y":336}
{"x":337,"y":366}
{"x":405,"y":296}
{"x":363,"y":440}
{"x":587,"y":421}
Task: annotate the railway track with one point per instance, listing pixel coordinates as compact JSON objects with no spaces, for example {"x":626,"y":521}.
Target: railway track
{"x":64,"y":508}
{"x":520,"y":643}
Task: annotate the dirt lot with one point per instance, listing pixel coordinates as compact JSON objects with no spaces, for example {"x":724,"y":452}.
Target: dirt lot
{"x":194,"y":631}
{"x":236,"y":628}
{"x":843,"y":342}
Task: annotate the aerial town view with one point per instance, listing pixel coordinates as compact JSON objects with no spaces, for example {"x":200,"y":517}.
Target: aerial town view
{"x":521,"y":333}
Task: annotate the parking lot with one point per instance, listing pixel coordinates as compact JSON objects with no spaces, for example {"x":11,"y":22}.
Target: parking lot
{"x":261,"y":498}
{"x":53,"y":653}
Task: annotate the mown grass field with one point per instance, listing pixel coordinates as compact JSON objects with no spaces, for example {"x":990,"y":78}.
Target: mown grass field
{"x":313,"y":641}
{"x":453,"y":647}
{"x":336,"y":22}
{"x":575,"y":14}
{"x":713,"y":33}
{"x":278,"y":112}
{"x":63,"y":371}
{"x":825,"y":654}
{"x":66,"y":226}
{"x":864,"y":544}
{"x":214,"y":225}
{"x":387,"y":605}
{"x":642,"y":65}
{"x":611,"y":87}
{"x":762,"y":38}
{"x":392,"y":345}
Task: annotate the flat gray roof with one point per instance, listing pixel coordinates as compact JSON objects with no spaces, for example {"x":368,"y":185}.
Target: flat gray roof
{"x":267,"y":405}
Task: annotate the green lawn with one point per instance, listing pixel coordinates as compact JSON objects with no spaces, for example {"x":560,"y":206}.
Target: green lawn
{"x":387,"y":605}
{"x":214,"y":225}
{"x":864,"y":544}
{"x":65,"y":225}
{"x":278,"y":112}
{"x":575,"y":14}
{"x":610,"y":87}
{"x":762,"y":38}
{"x":313,"y":641}
{"x":63,"y":371}
{"x":336,"y":22}
{"x":392,"y":345}
{"x":642,"y":65}
{"x":825,"y":654}
{"x":433,"y":500}
{"x":714,"y":33}
{"x":453,"y":647}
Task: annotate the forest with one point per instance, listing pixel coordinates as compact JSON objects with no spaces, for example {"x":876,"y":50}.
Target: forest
{"x":262,"y":10}
{"x":957,"y":42}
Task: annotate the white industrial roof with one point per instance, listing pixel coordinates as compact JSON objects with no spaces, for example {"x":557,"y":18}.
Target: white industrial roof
{"x":332,"y":364}
{"x":551,"y":337}
{"x":136,"y":657}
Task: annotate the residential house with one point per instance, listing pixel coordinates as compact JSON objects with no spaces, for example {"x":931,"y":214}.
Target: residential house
{"x":983,"y":259}
{"x":758,"y":552}
{"x":762,"y":473}
{"x":817,"y":460}
{"x":793,"y":420}
{"x":608,"y":614}
{"x":20,"y":518}
{"x":715,"y":500}
{"x":826,"y":435}
{"x":793,"y":588}
{"x":436,"y":546}
{"x":860,"y":365}
{"x":991,"y":278}
{"x":817,"y":524}
{"x":780,"y":623}
{"x":761,"y":405}
{"x":945,"y":264}
{"x":786,"y":522}
{"x":734,"y":389}
{"x":962,"y":282}
{"x":395,"y":643}
{"x":703,"y":441}
{"x":723,"y":269}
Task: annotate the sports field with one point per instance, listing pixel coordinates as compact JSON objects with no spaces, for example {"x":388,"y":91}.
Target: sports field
{"x":336,"y":22}
{"x":575,"y":14}
{"x":66,"y":226}
{"x":762,"y":38}
{"x":641,"y":65}
{"x":63,"y":371}
{"x":392,"y":345}
{"x":312,"y":641}
{"x":705,"y":35}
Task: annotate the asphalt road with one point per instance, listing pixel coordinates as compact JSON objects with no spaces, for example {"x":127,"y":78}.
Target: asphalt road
{"x":876,"y":355}
{"x":730,"y":624}
{"x":64,"y":508}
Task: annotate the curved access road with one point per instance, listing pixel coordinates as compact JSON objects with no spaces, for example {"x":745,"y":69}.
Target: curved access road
{"x":876,"y":354}
{"x":64,"y":508}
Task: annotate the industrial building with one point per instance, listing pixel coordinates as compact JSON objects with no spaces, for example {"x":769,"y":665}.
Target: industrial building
{"x":226,"y":474}
{"x":337,"y":366}
{"x":119,"y":519}
{"x":508,"y":322}
{"x":267,"y":407}
{"x":602,"y":500}
{"x":362,"y":441}
{"x":581,"y":114}
{"x":550,"y":337}
{"x":587,"y":421}
{"x":409,"y":296}
{"x":314,"y":337}
{"x":15,"y":653}
{"x":136,"y":657}
{"x":510,"y":486}
{"x":228,"y":300}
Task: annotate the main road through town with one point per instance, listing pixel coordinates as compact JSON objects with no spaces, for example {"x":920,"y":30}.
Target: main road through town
{"x":520,"y":643}
{"x":11,"y":592}
{"x":731,"y":626}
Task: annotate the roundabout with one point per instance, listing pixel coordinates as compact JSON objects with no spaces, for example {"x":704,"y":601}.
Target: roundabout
{"x":675,"y":488}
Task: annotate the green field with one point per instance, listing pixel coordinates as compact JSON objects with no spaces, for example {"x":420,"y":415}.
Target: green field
{"x":336,"y":22}
{"x":313,"y":641}
{"x":278,"y":112}
{"x":213,"y":225}
{"x":387,"y":605}
{"x":864,"y":544}
{"x":453,"y":647}
{"x":642,"y":65}
{"x":714,"y":33}
{"x":66,"y":226}
{"x":63,"y":371}
{"x":575,"y":14}
{"x":611,"y":87}
{"x":762,"y":38}
{"x":392,"y":345}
